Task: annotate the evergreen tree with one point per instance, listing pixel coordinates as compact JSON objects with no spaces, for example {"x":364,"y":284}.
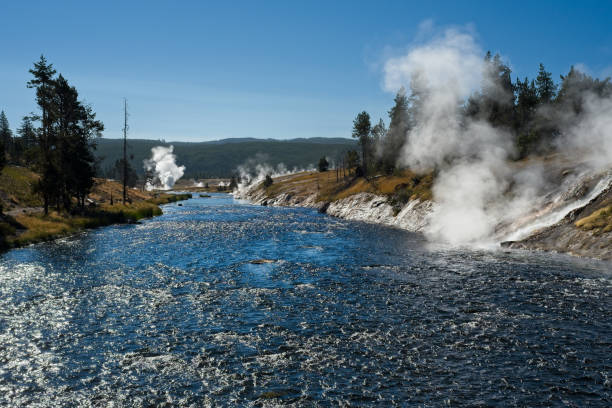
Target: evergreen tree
{"x":2,"y":159}
{"x":576,"y":85}
{"x":398,"y":128}
{"x":66,"y":139}
{"x":361,"y":131}
{"x":323,"y":164}
{"x":268,"y":181}
{"x":527,"y":103}
{"x":117,"y":172}
{"x":27,"y":141}
{"x":76,"y":130}
{"x":497,"y":98}
{"x":43,"y":82}
{"x":352,"y":159}
{"x":6,"y":136}
{"x":546,"y":87}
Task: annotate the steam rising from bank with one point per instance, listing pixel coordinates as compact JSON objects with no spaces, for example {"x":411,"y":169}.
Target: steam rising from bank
{"x":161,"y":169}
{"x":476,"y":189}
{"x":255,"y":169}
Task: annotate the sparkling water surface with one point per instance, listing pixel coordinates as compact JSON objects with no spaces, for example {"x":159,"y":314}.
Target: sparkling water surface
{"x":172,"y":312}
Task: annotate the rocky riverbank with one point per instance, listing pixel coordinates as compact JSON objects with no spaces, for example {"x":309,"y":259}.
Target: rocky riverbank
{"x":585,"y":230}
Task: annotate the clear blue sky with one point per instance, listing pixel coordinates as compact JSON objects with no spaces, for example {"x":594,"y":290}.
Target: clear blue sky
{"x":209,"y":70}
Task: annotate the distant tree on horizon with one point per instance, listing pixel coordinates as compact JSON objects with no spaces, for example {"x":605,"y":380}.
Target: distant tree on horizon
{"x":323,"y":164}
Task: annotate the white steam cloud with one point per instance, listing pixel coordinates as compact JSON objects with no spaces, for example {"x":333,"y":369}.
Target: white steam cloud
{"x":591,"y":134}
{"x":162,"y":165}
{"x":476,"y":190}
{"x":254,"y":170}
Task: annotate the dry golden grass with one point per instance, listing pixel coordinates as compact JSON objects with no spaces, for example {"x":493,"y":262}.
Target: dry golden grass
{"x":328,"y":187}
{"x":16,"y":190}
{"x":39,"y":228}
{"x":103,"y":189}
{"x":599,"y":221}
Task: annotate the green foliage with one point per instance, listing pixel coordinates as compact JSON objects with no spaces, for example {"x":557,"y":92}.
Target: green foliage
{"x":576,"y":85}
{"x":323,"y":164}
{"x":362,"y":128}
{"x":116,"y":172}
{"x":6,"y":136}
{"x":546,"y":87}
{"x":2,"y":155}
{"x":66,"y":139}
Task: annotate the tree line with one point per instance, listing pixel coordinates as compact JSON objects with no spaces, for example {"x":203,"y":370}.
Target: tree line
{"x":532,"y":111}
{"x":57,"y":141}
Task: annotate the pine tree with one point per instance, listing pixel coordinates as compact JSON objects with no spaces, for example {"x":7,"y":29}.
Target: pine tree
{"x":6,"y":135}
{"x":2,"y":158}
{"x":27,"y":133}
{"x":77,"y":129}
{"x":497,"y":97}
{"x":117,"y":172}
{"x":362,"y":128}
{"x":323,"y":164}
{"x":399,"y":125}
{"x":65,"y":140}
{"x":526,"y":106}
{"x":43,"y":82}
{"x":545,"y":85}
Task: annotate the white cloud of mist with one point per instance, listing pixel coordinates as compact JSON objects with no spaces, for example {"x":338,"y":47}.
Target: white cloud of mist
{"x":451,"y":60}
{"x":254,"y":170}
{"x":591,"y":133}
{"x":476,"y":189}
{"x":163,"y":165}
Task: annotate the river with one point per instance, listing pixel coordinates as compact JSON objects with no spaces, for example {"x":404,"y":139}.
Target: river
{"x":174,"y":311}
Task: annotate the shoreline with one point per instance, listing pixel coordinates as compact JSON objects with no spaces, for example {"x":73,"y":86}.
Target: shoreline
{"x":26,"y":229}
{"x":567,"y":236}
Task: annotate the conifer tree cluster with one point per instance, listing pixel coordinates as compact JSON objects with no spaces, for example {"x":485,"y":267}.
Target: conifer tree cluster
{"x":532,"y":112}
{"x":57,"y":141}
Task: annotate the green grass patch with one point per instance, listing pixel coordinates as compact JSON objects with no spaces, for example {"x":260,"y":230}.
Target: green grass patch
{"x":170,"y":198}
{"x":38,"y":227}
{"x":16,"y":185}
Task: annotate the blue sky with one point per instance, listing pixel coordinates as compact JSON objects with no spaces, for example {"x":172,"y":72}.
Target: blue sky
{"x":198,"y":70}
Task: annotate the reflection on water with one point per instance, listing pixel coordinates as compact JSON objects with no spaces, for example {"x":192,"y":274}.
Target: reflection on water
{"x":173,"y":311}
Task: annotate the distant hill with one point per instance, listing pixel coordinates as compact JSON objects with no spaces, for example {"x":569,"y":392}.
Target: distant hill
{"x":220,"y":158}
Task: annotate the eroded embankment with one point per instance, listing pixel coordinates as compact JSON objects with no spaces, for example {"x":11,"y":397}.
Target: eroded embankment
{"x":378,"y":200}
{"x":574,"y":217}
{"x":584,"y":231}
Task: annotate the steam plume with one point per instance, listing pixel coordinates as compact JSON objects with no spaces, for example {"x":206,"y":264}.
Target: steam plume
{"x":476,"y":189}
{"x":162,"y":165}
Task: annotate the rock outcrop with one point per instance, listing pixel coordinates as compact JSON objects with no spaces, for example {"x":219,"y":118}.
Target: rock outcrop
{"x":365,"y":207}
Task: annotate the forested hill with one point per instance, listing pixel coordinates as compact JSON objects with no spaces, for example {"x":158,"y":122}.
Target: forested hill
{"x":220,"y":158}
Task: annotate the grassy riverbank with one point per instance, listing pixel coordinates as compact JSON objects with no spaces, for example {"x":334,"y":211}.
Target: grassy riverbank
{"x":329,"y":186}
{"x":23,"y":222}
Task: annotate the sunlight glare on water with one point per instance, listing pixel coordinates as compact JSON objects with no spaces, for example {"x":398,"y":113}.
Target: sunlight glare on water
{"x":175,"y":311}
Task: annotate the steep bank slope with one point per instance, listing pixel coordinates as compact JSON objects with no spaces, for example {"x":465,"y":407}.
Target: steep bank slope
{"x":584,"y":231}
{"x":573,"y":214}
{"x":402,"y":200}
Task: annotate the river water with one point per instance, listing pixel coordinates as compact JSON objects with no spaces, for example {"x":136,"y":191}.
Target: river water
{"x":173,"y":311}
